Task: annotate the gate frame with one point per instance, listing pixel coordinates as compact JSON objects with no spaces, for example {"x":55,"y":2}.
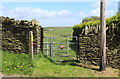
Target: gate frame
{"x":51,"y":44}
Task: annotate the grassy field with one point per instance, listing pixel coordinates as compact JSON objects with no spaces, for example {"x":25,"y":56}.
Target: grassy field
{"x":58,"y":31}
{"x":42,"y":66}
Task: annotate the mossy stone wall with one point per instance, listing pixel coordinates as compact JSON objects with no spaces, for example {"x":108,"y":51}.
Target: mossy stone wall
{"x":90,"y":50}
{"x":15,"y":35}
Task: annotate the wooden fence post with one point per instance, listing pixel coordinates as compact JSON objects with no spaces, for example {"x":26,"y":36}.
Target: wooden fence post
{"x":31,"y":45}
{"x":103,"y":35}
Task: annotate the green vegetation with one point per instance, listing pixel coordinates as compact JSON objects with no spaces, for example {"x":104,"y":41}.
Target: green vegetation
{"x":40,"y":66}
{"x":16,"y":64}
{"x":109,"y":23}
{"x":47,"y":68}
{"x":91,"y":18}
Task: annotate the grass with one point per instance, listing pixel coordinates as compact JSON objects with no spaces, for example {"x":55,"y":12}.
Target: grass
{"x":58,"y":31}
{"x":47,"y":68}
{"x":41,"y":66}
{"x":16,"y":64}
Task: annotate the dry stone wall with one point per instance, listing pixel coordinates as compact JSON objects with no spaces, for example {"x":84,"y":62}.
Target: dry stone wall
{"x":15,"y":35}
{"x":90,"y":50}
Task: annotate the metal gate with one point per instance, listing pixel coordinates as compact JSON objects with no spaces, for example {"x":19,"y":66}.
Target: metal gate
{"x":56,"y":47}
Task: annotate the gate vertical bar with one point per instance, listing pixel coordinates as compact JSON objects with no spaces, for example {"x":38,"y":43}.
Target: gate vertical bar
{"x":67,"y":46}
{"x":47,"y":48}
{"x":47,"y":43}
{"x":51,"y":46}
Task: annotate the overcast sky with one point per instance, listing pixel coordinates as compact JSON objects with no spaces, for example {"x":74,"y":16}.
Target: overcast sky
{"x":55,"y":13}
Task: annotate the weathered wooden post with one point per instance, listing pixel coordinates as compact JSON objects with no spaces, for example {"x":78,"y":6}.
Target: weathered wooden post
{"x":35,"y":23}
{"x":31,"y":44}
{"x":103,"y":35}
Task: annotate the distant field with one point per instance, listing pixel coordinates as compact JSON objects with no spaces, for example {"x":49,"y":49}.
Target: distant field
{"x":58,"y":31}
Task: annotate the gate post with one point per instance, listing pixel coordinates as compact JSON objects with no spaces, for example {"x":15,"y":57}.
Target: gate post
{"x":41,"y":47}
{"x":31,"y":44}
{"x":38,"y":39}
{"x":67,"y":46}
